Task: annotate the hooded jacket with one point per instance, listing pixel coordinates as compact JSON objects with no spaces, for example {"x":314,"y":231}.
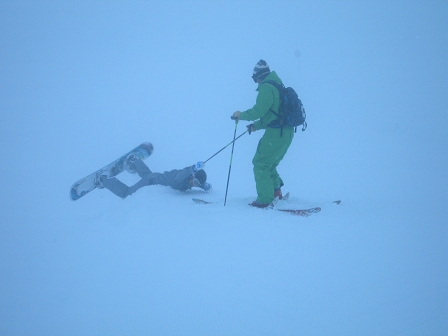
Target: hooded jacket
{"x":176,"y":179}
{"x":268,"y":99}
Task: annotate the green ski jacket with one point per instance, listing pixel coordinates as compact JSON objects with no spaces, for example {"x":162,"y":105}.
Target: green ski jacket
{"x":268,"y":98}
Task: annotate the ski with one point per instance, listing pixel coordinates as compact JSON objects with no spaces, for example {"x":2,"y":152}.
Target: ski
{"x":303,"y":213}
{"x":297,"y":212}
{"x":200,"y":201}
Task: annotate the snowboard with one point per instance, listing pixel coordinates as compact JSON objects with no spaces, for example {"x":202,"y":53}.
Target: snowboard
{"x":85,"y":185}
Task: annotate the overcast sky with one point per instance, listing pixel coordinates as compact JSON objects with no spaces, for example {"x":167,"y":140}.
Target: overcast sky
{"x":82,"y":81}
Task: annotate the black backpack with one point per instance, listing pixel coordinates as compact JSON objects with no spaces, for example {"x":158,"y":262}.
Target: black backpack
{"x":291,"y":112}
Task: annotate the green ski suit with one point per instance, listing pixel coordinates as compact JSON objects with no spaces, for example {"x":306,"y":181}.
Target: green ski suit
{"x":273,"y":145}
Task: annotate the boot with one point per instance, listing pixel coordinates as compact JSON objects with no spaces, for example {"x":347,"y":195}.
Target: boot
{"x":97,"y":181}
{"x":278,"y":193}
{"x":259,"y":205}
{"x":129,"y":163}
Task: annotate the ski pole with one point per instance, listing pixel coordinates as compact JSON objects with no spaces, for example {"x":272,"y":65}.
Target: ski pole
{"x":231,"y":157}
{"x":225,"y":147}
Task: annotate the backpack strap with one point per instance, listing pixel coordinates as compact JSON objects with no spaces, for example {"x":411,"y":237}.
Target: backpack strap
{"x":280,"y":88}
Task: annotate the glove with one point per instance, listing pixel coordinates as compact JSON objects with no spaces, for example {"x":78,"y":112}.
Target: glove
{"x":198,"y":166}
{"x":251,"y":128}
{"x":236,"y":115}
{"x":206,"y":186}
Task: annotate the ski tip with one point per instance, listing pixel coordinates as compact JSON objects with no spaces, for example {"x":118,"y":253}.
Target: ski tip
{"x":200,"y":201}
{"x":337,"y":202}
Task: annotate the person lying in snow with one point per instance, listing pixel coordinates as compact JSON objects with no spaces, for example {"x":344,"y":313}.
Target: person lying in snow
{"x":179,"y":179}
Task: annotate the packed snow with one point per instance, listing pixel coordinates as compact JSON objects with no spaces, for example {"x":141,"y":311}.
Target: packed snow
{"x":85,"y":82}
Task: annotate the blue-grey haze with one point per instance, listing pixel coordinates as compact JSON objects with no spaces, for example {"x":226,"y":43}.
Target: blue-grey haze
{"x":82,"y":82}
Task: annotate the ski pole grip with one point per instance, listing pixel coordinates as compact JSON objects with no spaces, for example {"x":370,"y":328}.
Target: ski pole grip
{"x":233,"y":118}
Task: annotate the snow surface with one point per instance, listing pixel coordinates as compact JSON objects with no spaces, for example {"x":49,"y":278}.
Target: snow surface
{"x":84,"y":82}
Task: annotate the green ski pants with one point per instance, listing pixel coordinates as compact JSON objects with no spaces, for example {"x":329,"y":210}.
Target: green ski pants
{"x":270,"y":151}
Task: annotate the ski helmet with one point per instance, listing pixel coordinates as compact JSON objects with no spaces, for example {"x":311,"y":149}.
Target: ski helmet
{"x":201,"y":176}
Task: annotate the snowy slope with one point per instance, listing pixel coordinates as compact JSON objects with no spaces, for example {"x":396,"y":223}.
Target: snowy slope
{"x":158,"y":264}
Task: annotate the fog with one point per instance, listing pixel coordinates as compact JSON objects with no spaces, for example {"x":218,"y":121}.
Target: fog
{"x":83,"y":82}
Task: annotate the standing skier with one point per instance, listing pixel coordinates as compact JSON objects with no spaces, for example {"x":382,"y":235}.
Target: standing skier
{"x":179,"y":179}
{"x":275,"y":142}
